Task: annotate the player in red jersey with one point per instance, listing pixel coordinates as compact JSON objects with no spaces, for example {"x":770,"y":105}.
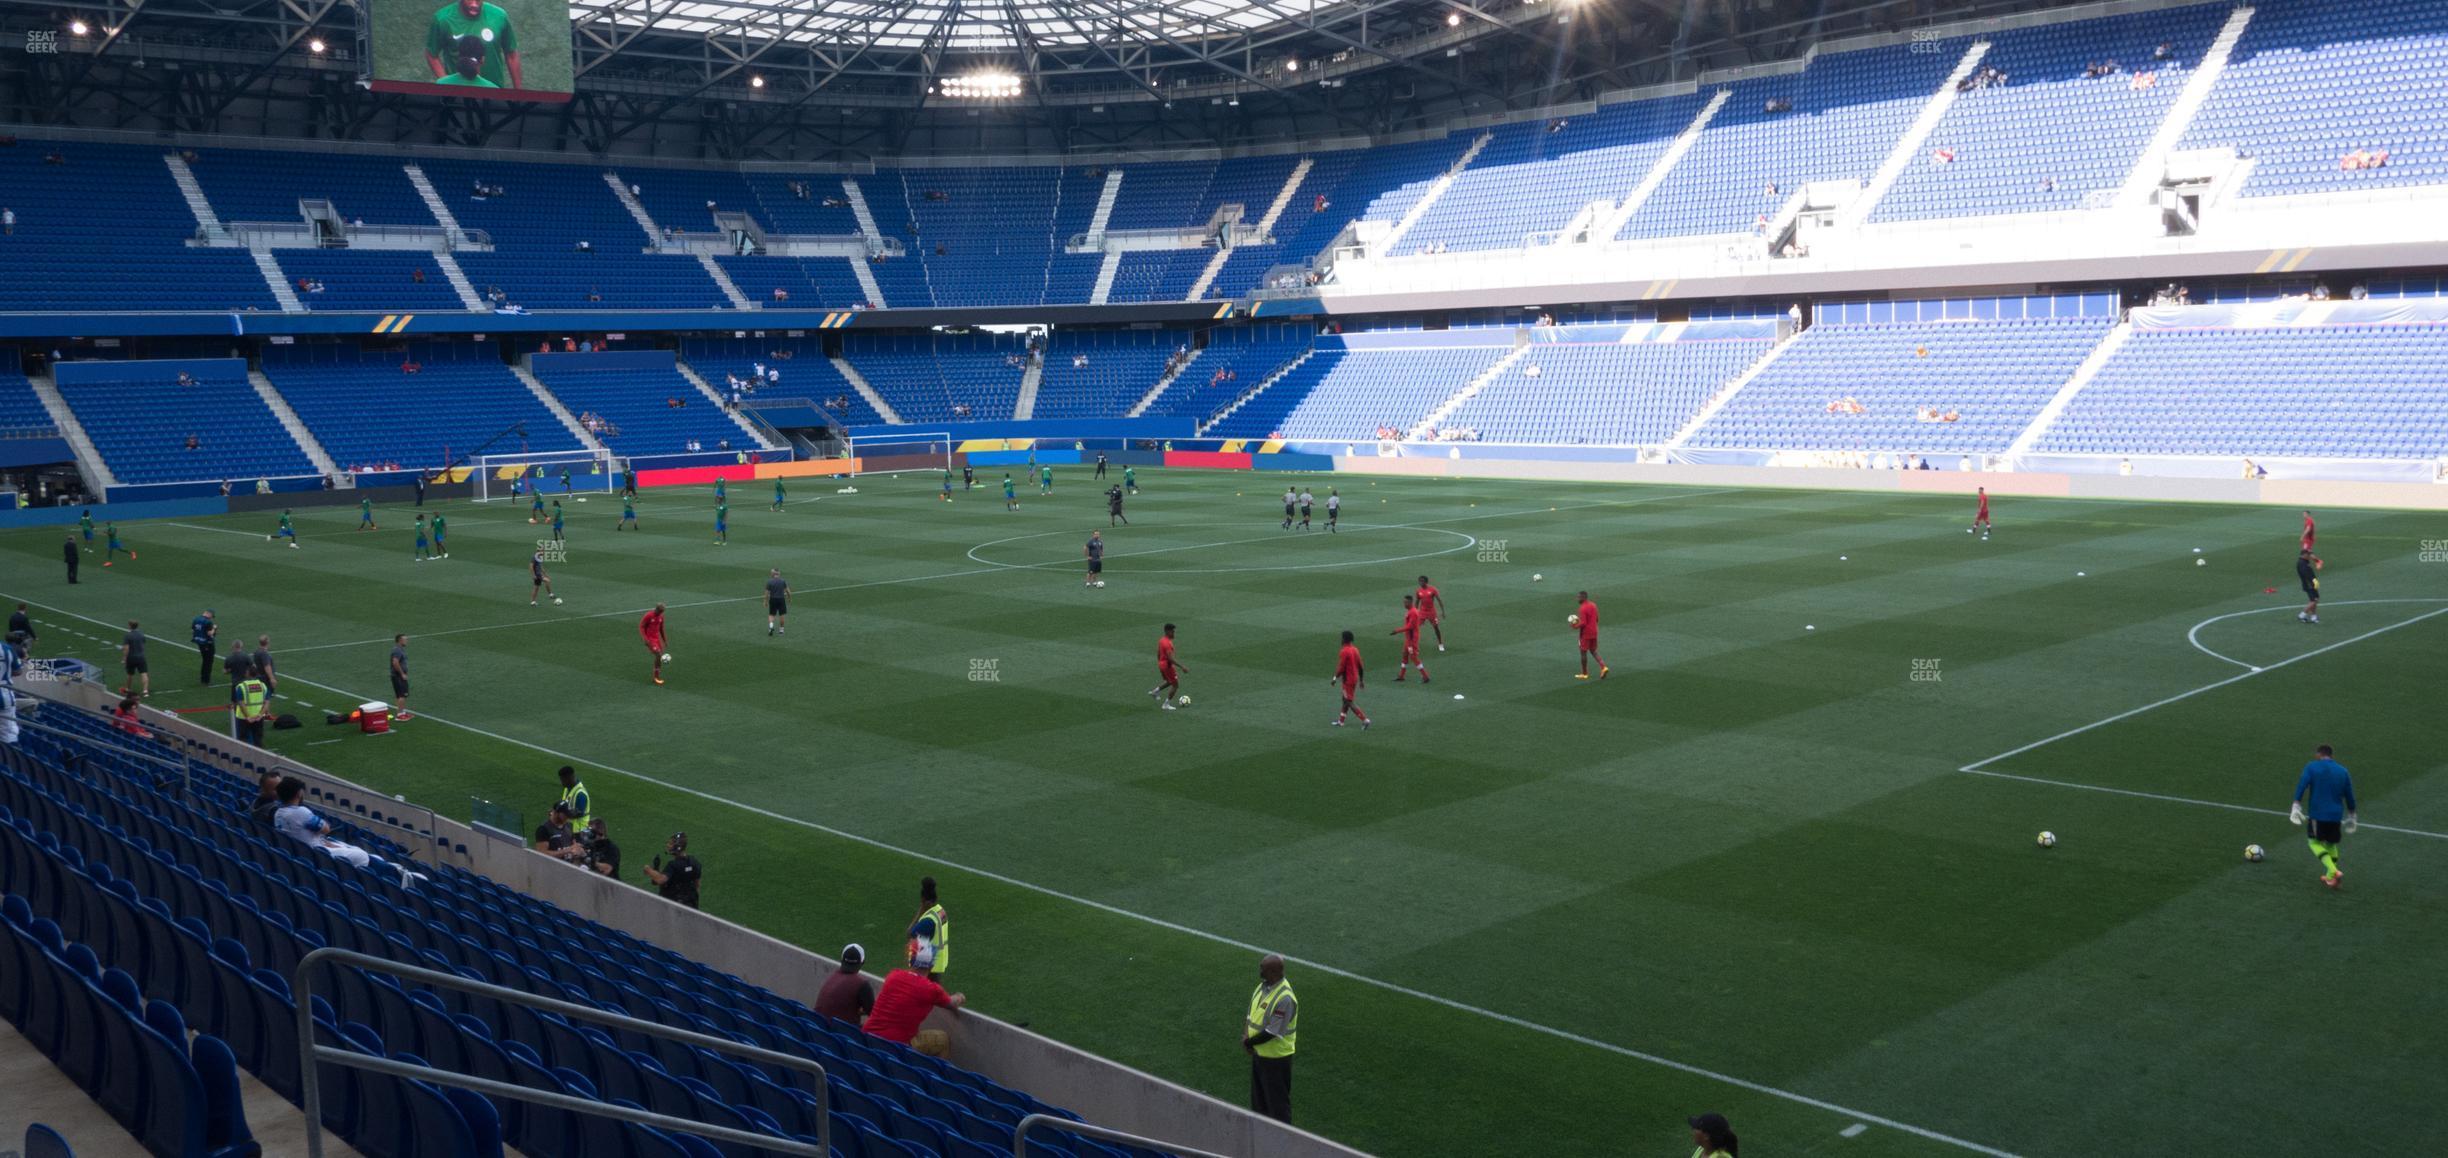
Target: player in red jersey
{"x":1432,"y":607}
{"x":1412,"y":618}
{"x":1980,"y":517}
{"x":650,"y":627}
{"x":1348,"y":673}
{"x":2307,"y":534}
{"x":1586,"y":621}
{"x":1167,"y":671}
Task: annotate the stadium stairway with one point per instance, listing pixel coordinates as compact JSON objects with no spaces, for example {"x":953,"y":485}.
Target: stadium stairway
{"x":723,"y":282}
{"x":2118,"y":335}
{"x":91,"y":468}
{"x":569,"y":421}
{"x":866,"y":390}
{"x":715,"y":397}
{"x":1717,"y":401}
{"x":1279,"y":375}
{"x":1435,"y":418}
{"x":2151,"y":167}
{"x":1908,"y":147}
{"x":1163,"y":384}
{"x":1612,"y":222}
{"x":277,"y":280}
{"x":1025,"y":406}
{"x":290,"y":421}
{"x":1428,"y":197}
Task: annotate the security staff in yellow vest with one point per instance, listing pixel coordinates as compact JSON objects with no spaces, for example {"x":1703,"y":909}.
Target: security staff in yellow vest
{"x":1268,"y":1034}
{"x":574,"y":798}
{"x":932,"y":929}
{"x":254,"y":708}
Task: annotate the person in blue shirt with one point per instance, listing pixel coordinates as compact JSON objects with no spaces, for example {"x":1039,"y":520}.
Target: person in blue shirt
{"x":2324,"y":802}
{"x":206,"y":635}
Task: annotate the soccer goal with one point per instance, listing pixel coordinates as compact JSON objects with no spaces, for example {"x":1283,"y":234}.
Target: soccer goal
{"x":549,"y":472}
{"x":926,"y":450}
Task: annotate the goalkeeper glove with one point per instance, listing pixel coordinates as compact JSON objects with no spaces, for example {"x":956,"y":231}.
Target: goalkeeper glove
{"x":2295,"y":812}
{"x":2351,"y":823}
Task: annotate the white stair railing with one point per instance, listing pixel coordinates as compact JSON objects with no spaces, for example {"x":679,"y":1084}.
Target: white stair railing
{"x":1908,"y":147}
{"x":1607,"y":225}
{"x":1428,"y":196}
{"x":1428,"y":424}
{"x":2151,"y":167}
{"x":859,"y":383}
{"x":2110,"y":343}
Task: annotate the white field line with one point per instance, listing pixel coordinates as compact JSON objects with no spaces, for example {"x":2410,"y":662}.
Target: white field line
{"x":1980,"y":768}
{"x":2194,"y":636}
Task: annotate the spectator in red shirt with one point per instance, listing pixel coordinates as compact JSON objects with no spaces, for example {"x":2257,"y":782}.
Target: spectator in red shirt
{"x":847,"y":995}
{"x":907,"y":997}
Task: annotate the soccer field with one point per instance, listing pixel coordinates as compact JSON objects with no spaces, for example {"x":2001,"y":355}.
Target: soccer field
{"x":1780,"y":865}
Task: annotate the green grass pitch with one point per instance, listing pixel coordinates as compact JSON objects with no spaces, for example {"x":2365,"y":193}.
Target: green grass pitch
{"x":1748,"y":873}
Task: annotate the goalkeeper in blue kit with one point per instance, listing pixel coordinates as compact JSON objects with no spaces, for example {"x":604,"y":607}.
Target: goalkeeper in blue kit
{"x":2324,"y":803}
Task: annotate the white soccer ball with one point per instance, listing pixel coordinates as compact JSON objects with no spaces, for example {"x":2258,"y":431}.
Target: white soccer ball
{"x":1967,"y":530}
{"x":556,"y":601}
{"x":1457,"y":695}
{"x":2253,"y":853}
{"x":1810,"y":627}
{"x":1100,"y":583}
{"x":667,"y":657}
{"x":1182,"y":700}
{"x":267,"y":538}
{"x":2048,"y":840}
{"x":1573,"y":620}
{"x":2201,"y":562}
{"x":1535,"y":578}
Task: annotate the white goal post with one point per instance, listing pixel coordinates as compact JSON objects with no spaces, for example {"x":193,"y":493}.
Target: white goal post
{"x":933,"y":446}
{"x":586,"y":472}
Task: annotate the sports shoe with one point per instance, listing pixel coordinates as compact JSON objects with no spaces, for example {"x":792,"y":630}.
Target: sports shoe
{"x":1440,"y":647}
{"x":1423,"y":677}
{"x":2333,"y":879}
{"x":658,"y":681}
{"x":1336,"y":722}
{"x":1603,"y":670}
{"x":1364,"y":724}
{"x":1171,"y":708}
{"x":1580,"y":675}
{"x":1399,"y":679}
{"x":403,"y":717}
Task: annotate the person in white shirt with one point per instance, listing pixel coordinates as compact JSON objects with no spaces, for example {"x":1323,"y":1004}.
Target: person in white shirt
{"x":299,"y":823}
{"x":1291,"y":501}
{"x":1334,"y":508}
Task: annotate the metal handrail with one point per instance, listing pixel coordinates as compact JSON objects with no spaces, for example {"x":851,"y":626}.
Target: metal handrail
{"x":1020,"y":1136}
{"x":309,"y":1053}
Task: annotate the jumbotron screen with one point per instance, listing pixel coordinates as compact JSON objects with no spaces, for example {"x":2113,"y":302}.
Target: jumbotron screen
{"x":488,"y":49}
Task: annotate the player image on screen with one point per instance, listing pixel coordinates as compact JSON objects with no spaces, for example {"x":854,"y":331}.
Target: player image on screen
{"x":489,"y":49}
{"x":466,"y":27}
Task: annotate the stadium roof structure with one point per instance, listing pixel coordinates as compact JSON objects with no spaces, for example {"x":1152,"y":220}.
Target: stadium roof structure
{"x":850,"y":80}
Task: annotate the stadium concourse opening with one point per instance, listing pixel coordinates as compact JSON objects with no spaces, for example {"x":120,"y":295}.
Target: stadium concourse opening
{"x":1932,"y":418}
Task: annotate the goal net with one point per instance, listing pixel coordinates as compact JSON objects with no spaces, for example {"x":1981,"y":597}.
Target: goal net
{"x":500,"y":476}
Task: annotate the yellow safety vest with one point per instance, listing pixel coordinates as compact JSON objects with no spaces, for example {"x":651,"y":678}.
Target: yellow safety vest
{"x":569,"y":796}
{"x":943,"y":937}
{"x":1262,"y":1003}
{"x":253,"y":700}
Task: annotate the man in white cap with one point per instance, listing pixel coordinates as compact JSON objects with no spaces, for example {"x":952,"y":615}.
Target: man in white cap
{"x":908,"y":996}
{"x":847,"y":995}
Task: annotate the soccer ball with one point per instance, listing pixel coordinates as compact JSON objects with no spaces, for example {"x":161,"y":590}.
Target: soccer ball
{"x":267,"y":538}
{"x":1182,"y":700}
{"x":2048,"y":840}
{"x":2253,"y":853}
{"x":1573,"y":620}
{"x":1537,"y":577}
{"x":556,"y":601}
{"x":666,"y":657}
{"x":1100,"y":583}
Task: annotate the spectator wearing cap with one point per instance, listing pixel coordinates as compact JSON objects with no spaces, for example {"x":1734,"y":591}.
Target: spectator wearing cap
{"x":846,"y":994}
{"x":554,"y":836}
{"x":907,"y":997}
{"x":1713,"y":1137}
{"x":676,"y":881}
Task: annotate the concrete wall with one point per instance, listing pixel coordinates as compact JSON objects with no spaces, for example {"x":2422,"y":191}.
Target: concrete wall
{"x":1101,"y":1091}
{"x":2267,"y":492}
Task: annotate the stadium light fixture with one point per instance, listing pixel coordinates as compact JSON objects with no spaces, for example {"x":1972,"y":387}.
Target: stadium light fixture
{"x":1453,"y":20}
{"x":1291,"y":64}
{"x":756,"y":82}
{"x":316,"y":46}
{"x":78,"y":28}
{"x":981,"y":86}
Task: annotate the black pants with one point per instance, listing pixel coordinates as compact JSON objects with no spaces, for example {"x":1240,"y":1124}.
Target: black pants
{"x":1100,"y":470}
{"x":1271,"y":1087}
{"x":72,"y":568}
{"x":251,"y":732}
{"x":204,"y":674}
